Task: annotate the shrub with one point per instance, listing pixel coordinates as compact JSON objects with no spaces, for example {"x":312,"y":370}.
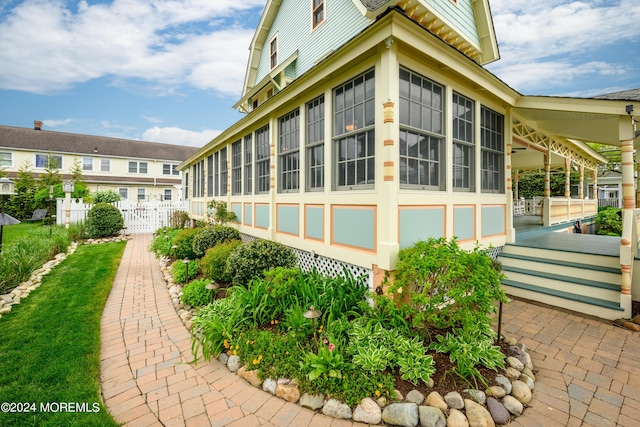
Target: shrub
{"x":184,"y":243}
{"x":196,"y":294}
{"x":609,"y":222}
{"x":444,"y":286}
{"x":105,"y":196}
{"x":254,"y":258}
{"x":208,"y":237}
{"x":77,"y":231}
{"x":220,"y":213}
{"x":179,"y":271}
{"x":214,"y":262}
{"x":179,"y":219}
{"x":103,"y":220}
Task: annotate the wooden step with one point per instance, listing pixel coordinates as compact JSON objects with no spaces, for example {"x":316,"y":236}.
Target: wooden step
{"x":553,"y":255}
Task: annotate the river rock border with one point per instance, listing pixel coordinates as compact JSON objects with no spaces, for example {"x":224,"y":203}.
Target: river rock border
{"x":23,"y":290}
{"x":497,"y":405}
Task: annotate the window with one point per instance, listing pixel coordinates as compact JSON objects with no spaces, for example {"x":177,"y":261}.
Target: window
{"x":105,"y":165}
{"x":463,"y":143}
{"x":262,"y":160}
{"x":87,"y":164}
{"x":142,"y":194}
{"x":6,"y":159}
{"x":137,"y":167}
{"x":492,"y":150}
{"x":421,"y":131}
{"x":273,"y":52}
{"x":289,"y":147}
{"x":216,"y":174}
{"x":169,"y":169}
{"x":236,"y":167}
{"x":186,"y":186}
{"x":354,"y":113}
{"x":198,"y":179}
{"x":315,"y":144}
{"x":167,"y":194}
{"x":51,"y":161}
{"x":248,"y":173}
{"x":317,"y":13}
{"x":124,"y":193}
{"x":210,"y":173}
{"x":224,"y":171}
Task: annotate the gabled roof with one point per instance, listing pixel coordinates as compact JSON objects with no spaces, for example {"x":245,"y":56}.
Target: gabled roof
{"x":625,"y":95}
{"x":72,"y":143}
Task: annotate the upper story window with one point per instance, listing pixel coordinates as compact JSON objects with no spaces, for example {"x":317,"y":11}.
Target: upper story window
{"x":289,"y":159}
{"x":169,"y":169}
{"x":236,"y":167}
{"x":354,"y":134}
{"x":463,"y":142}
{"x":87,"y":164}
{"x":315,"y":144}
{"x":273,"y":52}
{"x":263,"y":160}
{"x":105,"y":165}
{"x":492,"y":151}
{"x":317,"y":13}
{"x":6,"y":159}
{"x":248,"y":165}
{"x":421,"y":132}
{"x":210,"y":174}
{"x":138,"y":167}
{"x":50,"y":161}
{"x":224,"y":172}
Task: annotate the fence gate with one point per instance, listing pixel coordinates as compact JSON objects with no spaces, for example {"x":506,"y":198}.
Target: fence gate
{"x":139,"y":217}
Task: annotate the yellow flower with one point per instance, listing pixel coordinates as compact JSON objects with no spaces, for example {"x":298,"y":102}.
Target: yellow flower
{"x":237,"y":346}
{"x":379,"y":385}
{"x":260,"y":357}
{"x":255,"y":361}
{"x":235,"y":353}
{"x":287,"y":352}
{"x":377,"y":393}
{"x":248,"y":342}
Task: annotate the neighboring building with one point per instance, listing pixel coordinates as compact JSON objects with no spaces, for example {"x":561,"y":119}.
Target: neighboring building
{"x":373,"y":124}
{"x":137,"y":170}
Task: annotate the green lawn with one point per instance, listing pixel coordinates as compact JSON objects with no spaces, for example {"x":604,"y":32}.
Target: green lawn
{"x":50,"y":343}
{"x":11,"y":233}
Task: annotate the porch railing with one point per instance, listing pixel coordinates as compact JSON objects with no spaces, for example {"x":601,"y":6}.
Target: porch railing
{"x":567,"y":210}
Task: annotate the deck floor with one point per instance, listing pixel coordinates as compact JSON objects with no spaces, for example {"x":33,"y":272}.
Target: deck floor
{"x":569,"y":242}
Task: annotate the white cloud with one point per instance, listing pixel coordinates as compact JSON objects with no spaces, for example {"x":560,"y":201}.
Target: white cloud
{"x":174,"y":135}
{"x":51,"y":123}
{"x":46,"y":47}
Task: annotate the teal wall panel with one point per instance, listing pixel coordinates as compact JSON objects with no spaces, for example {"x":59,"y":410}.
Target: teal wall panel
{"x":354,"y":226}
{"x":420,"y":224}
{"x":262,"y":216}
{"x":493,"y":220}
{"x":464,"y":222}
{"x":314,"y":222}
{"x":248,"y":214}
{"x":236,"y":208}
{"x":289,"y":219}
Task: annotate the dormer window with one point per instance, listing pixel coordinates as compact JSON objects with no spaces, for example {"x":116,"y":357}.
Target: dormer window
{"x":317,"y":13}
{"x":273,"y":51}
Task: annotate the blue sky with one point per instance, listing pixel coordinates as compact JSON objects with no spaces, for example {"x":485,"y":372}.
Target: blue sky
{"x":170,"y":71}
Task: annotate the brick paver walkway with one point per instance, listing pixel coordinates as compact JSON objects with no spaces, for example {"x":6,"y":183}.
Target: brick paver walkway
{"x":588,"y":370}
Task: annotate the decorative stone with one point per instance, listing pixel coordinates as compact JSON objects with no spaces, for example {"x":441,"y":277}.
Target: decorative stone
{"x":529,"y":373}
{"x":504,"y":383}
{"x":515,"y":363}
{"x":401,"y":414}
{"x":512,"y":373}
{"x":414,"y":396}
{"x":498,"y":412}
{"x":521,"y":391}
{"x":510,"y":340}
{"x":528,"y":381}
{"x":512,"y":405}
{"x":250,"y":376}
{"x":496,"y":391}
{"x":454,"y":400}
{"x":477,"y":414}
{"x":224,"y":358}
{"x":477,"y":395}
{"x":188,"y":324}
{"x":457,"y":419}
{"x":269,"y":385}
{"x":382,"y":401}
{"x":288,"y":392}
{"x":431,"y":417}
{"x":435,"y":399}
{"x":336,"y":409}
{"x":233,"y":363}
{"x":529,"y":362}
{"x":5,"y":310}
{"x":367,"y":412}
{"x":312,"y":401}
{"x":397,"y":395}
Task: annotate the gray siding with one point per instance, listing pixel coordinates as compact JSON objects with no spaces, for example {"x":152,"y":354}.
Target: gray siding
{"x":460,"y":16}
{"x":293,"y":26}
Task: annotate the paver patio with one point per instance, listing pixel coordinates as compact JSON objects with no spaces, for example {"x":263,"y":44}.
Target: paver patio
{"x":587,"y":369}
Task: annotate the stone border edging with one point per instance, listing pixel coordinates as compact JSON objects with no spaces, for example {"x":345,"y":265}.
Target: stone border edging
{"x":496,"y":405}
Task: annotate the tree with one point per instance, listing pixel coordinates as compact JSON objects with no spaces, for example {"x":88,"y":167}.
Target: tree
{"x":76,"y":172}
{"x":21,"y":205}
{"x":612,"y":153}
{"x":50,"y":176}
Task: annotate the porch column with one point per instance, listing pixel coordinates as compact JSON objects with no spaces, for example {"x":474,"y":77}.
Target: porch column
{"x":628,"y":206}
{"x":595,"y":184}
{"x":545,"y":210}
{"x":581,"y":184}
{"x":638,"y":179}
{"x":567,"y":178}
{"x":516,"y":187}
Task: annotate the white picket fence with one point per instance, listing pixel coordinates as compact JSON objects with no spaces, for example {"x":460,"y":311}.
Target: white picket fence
{"x":139,"y":217}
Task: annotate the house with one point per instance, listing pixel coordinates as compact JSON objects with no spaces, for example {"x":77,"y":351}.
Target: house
{"x":371,"y":124}
{"x":137,"y":170}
